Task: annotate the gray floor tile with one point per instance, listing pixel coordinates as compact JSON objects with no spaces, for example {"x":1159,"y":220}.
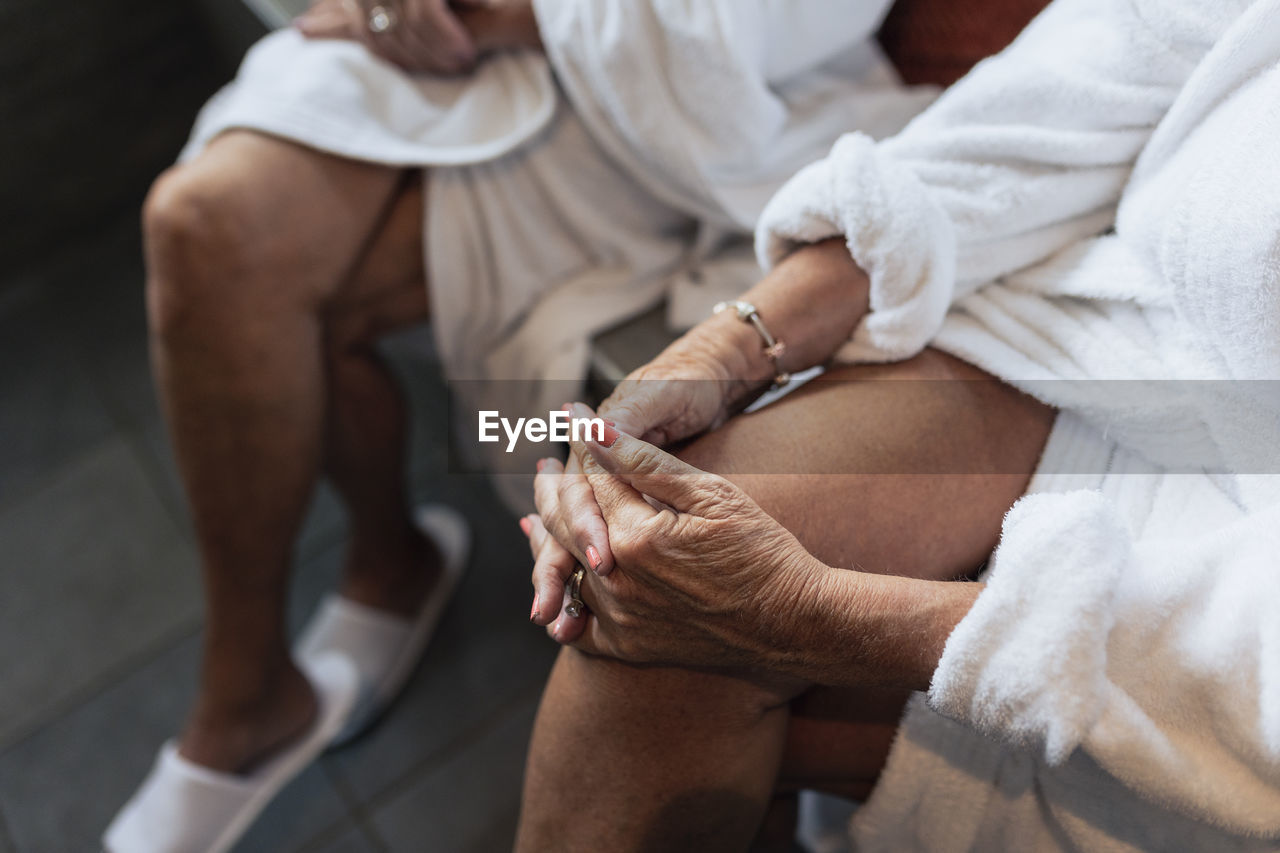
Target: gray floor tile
{"x":468,"y":804}
{"x":324,"y":525}
{"x":108,"y":333}
{"x":462,"y":684}
{"x":106,"y":746}
{"x":50,"y":412}
{"x":314,"y":577}
{"x":60,"y":787}
{"x":485,"y":653}
{"x":308,"y":806}
{"x":94,"y":573}
{"x":351,"y":840}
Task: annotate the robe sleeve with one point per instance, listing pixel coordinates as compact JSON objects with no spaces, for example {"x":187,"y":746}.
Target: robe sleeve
{"x":1027,"y":154}
{"x":1159,"y":658}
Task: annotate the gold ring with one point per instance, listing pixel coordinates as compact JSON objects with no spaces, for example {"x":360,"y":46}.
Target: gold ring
{"x":576,"y":607}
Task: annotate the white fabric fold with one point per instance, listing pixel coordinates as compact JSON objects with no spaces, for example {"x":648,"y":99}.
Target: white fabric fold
{"x":712,"y":104}
{"x":333,"y":95}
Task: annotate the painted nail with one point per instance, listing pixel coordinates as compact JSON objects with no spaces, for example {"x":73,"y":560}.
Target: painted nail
{"x":593,"y":557}
{"x":533,"y":611}
{"x":608,"y":436}
{"x":526,"y":525}
{"x":542,"y":463}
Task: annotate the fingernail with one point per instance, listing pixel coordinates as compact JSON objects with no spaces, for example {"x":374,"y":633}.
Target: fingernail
{"x":608,"y":435}
{"x":533,"y":611}
{"x":526,"y":525}
{"x":542,"y":463}
{"x":567,"y":408}
{"x":593,"y":557}
{"x":610,"y":423}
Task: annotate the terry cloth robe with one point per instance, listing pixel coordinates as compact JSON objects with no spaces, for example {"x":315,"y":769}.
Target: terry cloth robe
{"x":571,"y":191}
{"x":1094,"y":216}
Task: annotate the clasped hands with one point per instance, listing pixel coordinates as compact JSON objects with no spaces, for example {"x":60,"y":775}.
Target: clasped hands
{"x":684,"y":568}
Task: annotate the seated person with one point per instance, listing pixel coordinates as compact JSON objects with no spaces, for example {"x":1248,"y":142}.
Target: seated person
{"x":1100,"y":202}
{"x":333,"y":194}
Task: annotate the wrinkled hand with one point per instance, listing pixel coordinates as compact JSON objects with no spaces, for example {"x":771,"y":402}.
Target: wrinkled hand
{"x":708,"y":580}
{"x":426,"y":36}
{"x":688,"y":389}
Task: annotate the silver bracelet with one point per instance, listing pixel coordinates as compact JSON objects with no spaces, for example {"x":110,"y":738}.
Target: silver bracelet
{"x":773,"y":348}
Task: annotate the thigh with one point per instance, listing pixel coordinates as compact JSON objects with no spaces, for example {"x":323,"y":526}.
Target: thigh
{"x":837,"y":741}
{"x":271,"y":206}
{"x":387,"y":290}
{"x":905,"y":468}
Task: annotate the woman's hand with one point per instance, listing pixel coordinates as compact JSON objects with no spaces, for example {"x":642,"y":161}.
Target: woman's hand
{"x":692,"y":386}
{"x":708,"y":580}
{"x":705,"y":578}
{"x":812,"y":300}
{"x":431,"y":36}
{"x":689,"y":388}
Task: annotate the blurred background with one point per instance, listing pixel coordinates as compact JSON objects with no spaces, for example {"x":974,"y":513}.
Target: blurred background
{"x":99,"y":590}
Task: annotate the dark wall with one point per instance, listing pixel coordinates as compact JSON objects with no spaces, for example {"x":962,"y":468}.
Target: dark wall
{"x":96,"y":97}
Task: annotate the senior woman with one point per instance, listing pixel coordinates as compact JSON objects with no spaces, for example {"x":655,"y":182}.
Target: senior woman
{"x":1099,"y":202}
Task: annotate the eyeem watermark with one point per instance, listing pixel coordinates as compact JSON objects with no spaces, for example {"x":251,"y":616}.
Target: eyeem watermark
{"x":558,"y":426}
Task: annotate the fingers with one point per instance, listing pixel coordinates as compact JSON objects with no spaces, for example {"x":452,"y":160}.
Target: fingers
{"x":328,"y":19}
{"x":424,"y":35}
{"x":551,"y":569}
{"x":450,"y":44}
{"x":656,"y":473}
{"x":621,"y":506}
{"x":569,"y":509}
{"x":591,"y":639}
{"x":396,"y":43}
{"x":568,"y":628}
{"x":635,"y":407}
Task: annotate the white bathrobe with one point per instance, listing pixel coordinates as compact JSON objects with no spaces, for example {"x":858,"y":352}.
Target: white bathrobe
{"x":1100,"y":202}
{"x":570,"y":192}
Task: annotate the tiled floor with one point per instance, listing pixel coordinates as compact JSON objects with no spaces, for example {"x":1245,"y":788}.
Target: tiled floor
{"x":100,"y":611}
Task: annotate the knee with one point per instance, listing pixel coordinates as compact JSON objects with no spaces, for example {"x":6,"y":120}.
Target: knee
{"x":200,"y":248}
{"x":738,"y":702}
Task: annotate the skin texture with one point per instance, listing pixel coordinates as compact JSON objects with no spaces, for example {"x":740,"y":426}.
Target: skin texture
{"x":769,"y":643}
{"x":680,"y":758}
{"x":694,"y":385}
{"x":262,"y":345}
{"x":262,"y":341}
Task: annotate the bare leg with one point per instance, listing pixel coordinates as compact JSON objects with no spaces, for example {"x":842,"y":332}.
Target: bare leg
{"x":247,"y":248}
{"x":366,"y":422}
{"x":628,"y":758}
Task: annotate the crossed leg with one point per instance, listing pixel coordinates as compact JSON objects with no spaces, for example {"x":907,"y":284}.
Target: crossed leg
{"x":272,"y":269}
{"x":650,"y":758}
